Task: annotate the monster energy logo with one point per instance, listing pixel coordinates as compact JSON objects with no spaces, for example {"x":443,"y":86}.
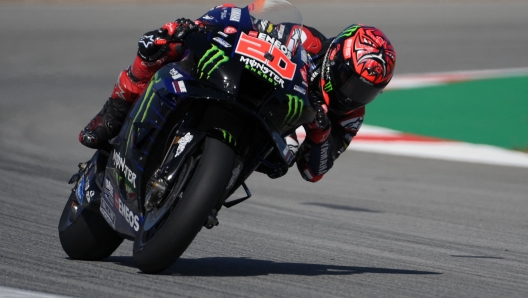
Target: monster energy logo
{"x":295,"y":107}
{"x":349,"y":31}
{"x":214,"y":57}
{"x":328,"y":87}
{"x":228,"y":136}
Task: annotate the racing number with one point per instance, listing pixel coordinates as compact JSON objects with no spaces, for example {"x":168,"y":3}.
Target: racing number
{"x":256,"y":48}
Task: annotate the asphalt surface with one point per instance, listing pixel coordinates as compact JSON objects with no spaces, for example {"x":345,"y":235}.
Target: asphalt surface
{"x":376,"y":226}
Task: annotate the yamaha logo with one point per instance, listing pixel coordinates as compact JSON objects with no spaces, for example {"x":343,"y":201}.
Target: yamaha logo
{"x":230,"y":30}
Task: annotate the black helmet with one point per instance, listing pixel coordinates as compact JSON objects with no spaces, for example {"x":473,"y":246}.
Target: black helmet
{"x":357,"y":66}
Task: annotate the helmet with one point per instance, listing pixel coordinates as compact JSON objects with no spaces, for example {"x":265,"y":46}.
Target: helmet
{"x":357,"y":66}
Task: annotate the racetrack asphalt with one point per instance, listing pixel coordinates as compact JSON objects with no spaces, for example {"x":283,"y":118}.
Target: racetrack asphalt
{"x":375,"y":226}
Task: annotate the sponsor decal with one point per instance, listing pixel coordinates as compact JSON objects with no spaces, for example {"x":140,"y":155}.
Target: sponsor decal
{"x":270,"y":28}
{"x":262,"y":71}
{"x":328,"y":87}
{"x":208,"y":17}
{"x":179,"y":87}
{"x":108,"y":214}
{"x":276,"y":42}
{"x":175,"y":74}
{"x":297,"y":37}
{"x":130,"y":217}
{"x":108,"y":189}
{"x":260,"y":50}
{"x":299,"y":89}
{"x":352,"y":124}
{"x":228,"y":137}
{"x":263,"y":24}
{"x":182,"y":142}
{"x":349,"y":31}
{"x":234,"y":176}
{"x":79,"y":193}
{"x":314,"y":75}
{"x":235,"y":14}
{"x":119,"y":163}
{"x":223,"y":15}
{"x":147,"y":40}
{"x":89,"y":195}
{"x":224,"y":43}
{"x":230,"y":30}
{"x":280,"y":30}
{"x":211,"y":59}
{"x":223,"y":34}
{"x":304,"y":56}
{"x":347,"y":50}
{"x":332,"y":54}
{"x":295,"y":108}
{"x":323,"y":163}
{"x":304,"y":76}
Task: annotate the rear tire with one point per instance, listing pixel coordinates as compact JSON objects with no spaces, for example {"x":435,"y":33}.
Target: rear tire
{"x":89,"y":237}
{"x":190,"y":212}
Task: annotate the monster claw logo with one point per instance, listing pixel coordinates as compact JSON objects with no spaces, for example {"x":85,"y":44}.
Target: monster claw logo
{"x":228,"y":136}
{"x":328,"y":87}
{"x":214,"y":57}
{"x":295,"y":107}
{"x":349,"y":31}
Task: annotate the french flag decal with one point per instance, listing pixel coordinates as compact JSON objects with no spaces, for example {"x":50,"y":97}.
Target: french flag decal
{"x":179,"y":87}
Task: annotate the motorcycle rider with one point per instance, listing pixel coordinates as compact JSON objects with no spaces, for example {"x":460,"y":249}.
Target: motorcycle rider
{"x":348,"y":71}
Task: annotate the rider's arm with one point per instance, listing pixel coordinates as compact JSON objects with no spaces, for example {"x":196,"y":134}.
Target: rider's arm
{"x":154,"y":51}
{"x":322,"y":146}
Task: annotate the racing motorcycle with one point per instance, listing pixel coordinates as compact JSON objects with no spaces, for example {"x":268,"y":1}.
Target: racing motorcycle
{"x":199,"y":130}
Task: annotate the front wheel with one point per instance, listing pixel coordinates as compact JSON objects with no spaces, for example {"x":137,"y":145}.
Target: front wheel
{"x":201,"y":182}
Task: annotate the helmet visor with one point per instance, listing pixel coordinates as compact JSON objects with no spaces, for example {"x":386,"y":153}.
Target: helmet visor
{"x":353,"y":90}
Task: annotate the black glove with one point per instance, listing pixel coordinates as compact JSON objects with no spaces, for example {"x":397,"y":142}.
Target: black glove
{"x":274,"y":173}
{"x":177,"y":30}
{"x":321,"y":118}
{"x":153,"y":45}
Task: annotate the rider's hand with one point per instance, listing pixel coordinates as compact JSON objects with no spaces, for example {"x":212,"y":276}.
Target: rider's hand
{"x":177,"y":30}
{"x":321,"y":117}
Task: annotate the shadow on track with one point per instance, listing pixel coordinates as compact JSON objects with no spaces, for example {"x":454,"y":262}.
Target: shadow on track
{"x":340,"y":207}
{"x":226,"y":267}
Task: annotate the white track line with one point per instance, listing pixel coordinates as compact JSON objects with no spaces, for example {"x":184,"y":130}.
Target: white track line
{"x":17,"y":293}
{"x":384,"y":140}
{"x":409,"y":81}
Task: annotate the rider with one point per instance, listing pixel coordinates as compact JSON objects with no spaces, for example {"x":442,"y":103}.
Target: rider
{"x":348,"y":72}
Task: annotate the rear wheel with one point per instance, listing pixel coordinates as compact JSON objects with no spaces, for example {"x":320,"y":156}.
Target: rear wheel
{"x":168,"y":230}
{"x":88,"y":236}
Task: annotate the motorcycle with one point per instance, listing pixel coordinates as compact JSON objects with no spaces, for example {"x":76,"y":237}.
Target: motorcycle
{"x":199,"y":130}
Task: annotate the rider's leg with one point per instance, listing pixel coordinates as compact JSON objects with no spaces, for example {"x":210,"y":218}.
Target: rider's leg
{"x":107,"y":123}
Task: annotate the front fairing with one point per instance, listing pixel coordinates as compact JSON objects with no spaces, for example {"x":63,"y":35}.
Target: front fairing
{"x":256,"y":69}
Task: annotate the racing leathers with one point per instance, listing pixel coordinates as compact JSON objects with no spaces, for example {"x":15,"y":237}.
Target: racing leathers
{"x":326,"y":137}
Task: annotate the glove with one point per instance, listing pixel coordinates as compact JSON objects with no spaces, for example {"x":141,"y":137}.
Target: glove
{"x":154,"y":45}
{"x":293,"y":146}
{"x":321,"y":118}
{"x":275,"y":173}
{"x":176,"y":31}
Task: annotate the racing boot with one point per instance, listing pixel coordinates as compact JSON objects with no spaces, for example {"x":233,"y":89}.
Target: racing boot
{"x":105,"y":125}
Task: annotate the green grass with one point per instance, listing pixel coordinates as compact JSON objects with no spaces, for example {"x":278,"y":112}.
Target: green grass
{"x":493,"y":111}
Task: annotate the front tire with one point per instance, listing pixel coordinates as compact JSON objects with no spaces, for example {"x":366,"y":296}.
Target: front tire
{"x":189,"y":213}
{"x":88,"y":237}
